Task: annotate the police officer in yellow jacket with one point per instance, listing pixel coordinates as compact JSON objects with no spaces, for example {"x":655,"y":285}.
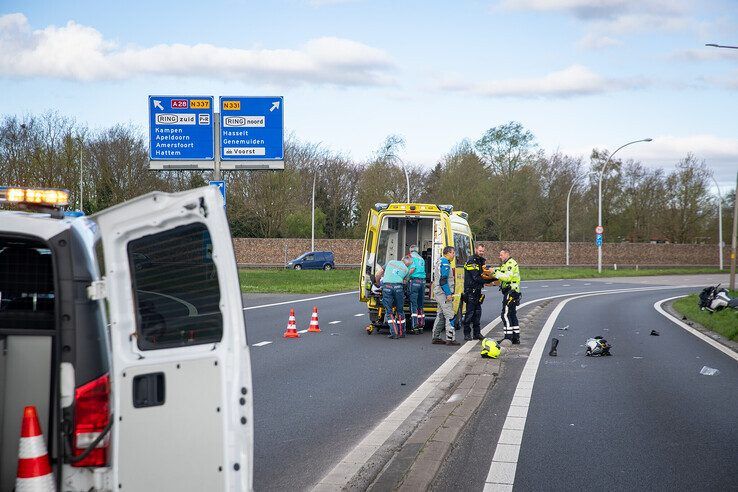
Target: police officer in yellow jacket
{"x":509,"y":276}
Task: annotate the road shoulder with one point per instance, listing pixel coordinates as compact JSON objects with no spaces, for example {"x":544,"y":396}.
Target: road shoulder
{"x":669,"y":308}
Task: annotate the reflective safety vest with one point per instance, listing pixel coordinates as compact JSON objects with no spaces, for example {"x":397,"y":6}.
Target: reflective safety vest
{"x":509,"y":275}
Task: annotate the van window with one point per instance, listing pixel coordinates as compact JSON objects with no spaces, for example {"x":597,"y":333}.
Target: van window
{"x":26,"y":285}
{"x":175,"y":288}
{"x":462,"y":245}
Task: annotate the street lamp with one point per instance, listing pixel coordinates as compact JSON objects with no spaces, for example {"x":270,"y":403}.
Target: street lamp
{"x":568,"y":196}
{"x":312,"y":218}
{"x":81,"y":147}
{"x":720,"y":221}
{"x":713,"y":45}
{"x":599,"y":193}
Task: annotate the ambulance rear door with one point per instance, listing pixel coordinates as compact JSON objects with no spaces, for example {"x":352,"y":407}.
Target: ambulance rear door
{"x":369,"y":255}
{"x":180,"y":377}
{"x":439,"y":241}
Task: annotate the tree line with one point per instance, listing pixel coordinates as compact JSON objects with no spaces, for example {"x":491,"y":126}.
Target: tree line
{"x":511,"y":188}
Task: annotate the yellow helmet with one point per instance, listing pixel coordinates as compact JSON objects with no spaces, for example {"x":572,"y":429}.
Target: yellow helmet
{"x":490,"y":348}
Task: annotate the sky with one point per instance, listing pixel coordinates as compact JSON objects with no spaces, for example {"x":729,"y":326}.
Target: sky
{"x":579,"y":74}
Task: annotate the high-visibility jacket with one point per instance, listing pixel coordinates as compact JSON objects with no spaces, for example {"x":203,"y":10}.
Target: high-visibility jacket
{"x":509,"y":275}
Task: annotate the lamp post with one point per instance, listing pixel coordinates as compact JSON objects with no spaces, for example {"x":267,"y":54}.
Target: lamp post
{"x":720,"y":222}
{"x":599,"y":194}
{"x":407,"y":178}
{"x":568,"y":197}
{"x":312,"y":218}
{"x":81,"y":148}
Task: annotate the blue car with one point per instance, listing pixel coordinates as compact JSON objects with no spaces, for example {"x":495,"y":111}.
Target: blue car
{"x":314,"y":260}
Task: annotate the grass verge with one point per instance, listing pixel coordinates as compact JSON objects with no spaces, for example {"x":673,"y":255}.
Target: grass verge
{"x":581,"y":272}
{"x":319,"y":281}
{"x":298,"y":281}
{"x":724,"y":322}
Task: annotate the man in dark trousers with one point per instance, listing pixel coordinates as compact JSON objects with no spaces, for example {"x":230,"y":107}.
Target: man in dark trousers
{"x":509,"y":276}
{"x":473,"y":284}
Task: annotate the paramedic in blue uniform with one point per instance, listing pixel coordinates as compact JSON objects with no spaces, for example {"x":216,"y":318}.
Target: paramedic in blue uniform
{"x":417,"y":291}
{"x":393,"y":294}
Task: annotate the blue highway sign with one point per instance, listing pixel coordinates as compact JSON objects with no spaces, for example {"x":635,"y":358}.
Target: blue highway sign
{"x":181,"y":128}
{"x":252,"y":128}
{"x":221,"y":188}
{"x":598,"y":239}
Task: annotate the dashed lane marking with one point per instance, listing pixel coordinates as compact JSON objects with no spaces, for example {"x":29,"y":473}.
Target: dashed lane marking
{"x":566,"y":285}
{"x":357,"y":315}
{"x":261,"y":344}
{"x":302,"y":331}
{"x":333,"y":322}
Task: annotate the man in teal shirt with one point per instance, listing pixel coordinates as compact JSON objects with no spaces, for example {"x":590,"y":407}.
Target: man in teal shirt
{"x":417,"y":291}
{"x":393,"y":294}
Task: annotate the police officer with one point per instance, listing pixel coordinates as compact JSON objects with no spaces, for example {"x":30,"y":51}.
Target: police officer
{"x":473,"y":284}
{"x":509,"y":276}
{"x":393,"y":295}
{"x":416,"y":290}
{"x":443,"y":291}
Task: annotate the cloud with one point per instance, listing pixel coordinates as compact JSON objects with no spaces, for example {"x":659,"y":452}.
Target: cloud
{"x":77,"y":52}
{"x":575,"y":80}
{"x":606,"y":18}
{"x":594,"y":42}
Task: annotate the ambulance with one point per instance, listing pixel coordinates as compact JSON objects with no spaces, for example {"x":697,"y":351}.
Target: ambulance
{"x":125,"y":330}
{"x":391,"y":229}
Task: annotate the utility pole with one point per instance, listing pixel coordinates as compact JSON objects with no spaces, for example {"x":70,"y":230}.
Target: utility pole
{"x":720,"y":222}
{"x":735,"y":229}
{"x":312,"y":217}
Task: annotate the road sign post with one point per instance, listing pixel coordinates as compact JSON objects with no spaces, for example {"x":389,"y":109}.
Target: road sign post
{"x":251,"y":134}
{"x":181,"y":132}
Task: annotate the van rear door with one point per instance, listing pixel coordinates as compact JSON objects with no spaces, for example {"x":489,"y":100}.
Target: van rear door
{"x":181,"y":377}
{"x":369,"y":255}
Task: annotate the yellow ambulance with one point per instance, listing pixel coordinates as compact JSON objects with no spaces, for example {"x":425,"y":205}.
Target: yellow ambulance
{"x":391,"y":229}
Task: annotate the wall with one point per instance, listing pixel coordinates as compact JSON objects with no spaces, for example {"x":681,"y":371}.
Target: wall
{"x":276,"y":252}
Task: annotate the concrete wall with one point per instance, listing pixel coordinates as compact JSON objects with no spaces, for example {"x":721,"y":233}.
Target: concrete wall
{"x":276,"y":252}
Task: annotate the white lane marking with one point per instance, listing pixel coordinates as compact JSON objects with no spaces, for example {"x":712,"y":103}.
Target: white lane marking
{"x":261,"y":344}
{"x":697,"y":333}
{"x":352,"y":462}
{"x":566,"y":285}
{"x":544,"y":286}
{"x":191,"y":309}
{"x":300,"y":300}
{"x":302,"y":331}
{"x":588,"y":283}
{"x":333,"y":322}
{"x":357,"y":315}
{"x":502,"y":472}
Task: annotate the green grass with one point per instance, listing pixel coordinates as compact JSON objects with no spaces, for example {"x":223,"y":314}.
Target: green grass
{"x":298,"y":281}
{"x":582,"y":272}
{"x":319,"y":281}
{"x":724,"y":322}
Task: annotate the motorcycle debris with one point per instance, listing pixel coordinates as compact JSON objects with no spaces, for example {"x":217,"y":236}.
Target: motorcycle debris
{"x":709,"y":371}
{"x":655,"y":333}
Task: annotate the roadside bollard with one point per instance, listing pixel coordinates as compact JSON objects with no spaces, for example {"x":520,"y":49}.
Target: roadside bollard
{"x":554,"y":344}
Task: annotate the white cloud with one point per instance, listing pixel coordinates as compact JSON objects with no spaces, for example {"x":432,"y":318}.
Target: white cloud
{"x":606,"y":18}
{"x":594,"y":42}
{"x":572,"y":81}
{"x":78,"y":52}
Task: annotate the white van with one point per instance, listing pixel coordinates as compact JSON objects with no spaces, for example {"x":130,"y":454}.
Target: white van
{"x":125,"y":329}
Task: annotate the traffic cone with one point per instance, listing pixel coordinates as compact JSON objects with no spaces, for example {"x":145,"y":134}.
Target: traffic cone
{"x":314,"y":327}
{"x":34,"y":472}
{"x":291,"y":327}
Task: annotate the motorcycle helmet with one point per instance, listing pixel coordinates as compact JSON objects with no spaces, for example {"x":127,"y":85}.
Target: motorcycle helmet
{"x":597,"y":346}
{"x":490,"y":349}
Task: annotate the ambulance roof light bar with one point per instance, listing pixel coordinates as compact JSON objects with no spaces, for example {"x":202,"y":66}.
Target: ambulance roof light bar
{"x":35,"y":198}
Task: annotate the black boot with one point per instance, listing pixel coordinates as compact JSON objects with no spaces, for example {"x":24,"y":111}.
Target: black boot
{"x":516,"y":338}
{"x":554,"y":344}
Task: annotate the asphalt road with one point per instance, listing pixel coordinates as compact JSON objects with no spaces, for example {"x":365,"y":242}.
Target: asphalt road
{"x":643,"y":419}
{"x":315,"y":397}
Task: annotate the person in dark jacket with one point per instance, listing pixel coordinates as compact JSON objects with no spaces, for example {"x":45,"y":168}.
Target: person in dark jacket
{"x":473,"y":284}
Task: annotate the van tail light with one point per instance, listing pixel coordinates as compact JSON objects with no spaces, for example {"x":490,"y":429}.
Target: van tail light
{"x":91,"y":416}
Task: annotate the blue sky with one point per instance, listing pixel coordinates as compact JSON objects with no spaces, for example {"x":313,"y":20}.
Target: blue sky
{"x":577,"y":73}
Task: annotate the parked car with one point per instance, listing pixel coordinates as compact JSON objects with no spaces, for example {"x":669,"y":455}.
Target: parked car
{"x":313,"y":260}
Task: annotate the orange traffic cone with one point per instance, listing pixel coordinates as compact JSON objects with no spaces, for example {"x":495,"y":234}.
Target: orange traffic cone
{"x":314,"y":327}
{"x":34,"y":472}
{"x":291,"y":327}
